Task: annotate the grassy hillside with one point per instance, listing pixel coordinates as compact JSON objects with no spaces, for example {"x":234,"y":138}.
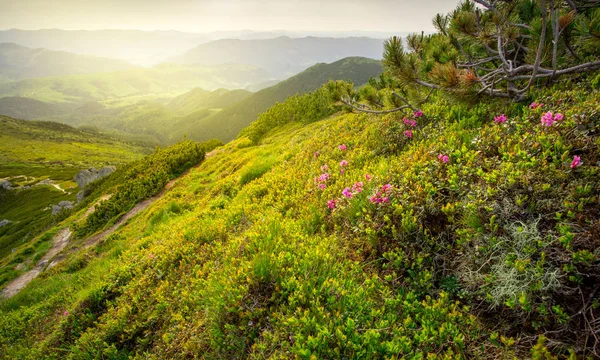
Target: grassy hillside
{"x":164,"y":79}
{"x":40,"y":160}
{"x":282,"y":56}
{"x":29,"y":109}
{"x":20,"y":62}
{"x":226,"y":124}
{"x":464,"y":238}
{"x":197,"y":99}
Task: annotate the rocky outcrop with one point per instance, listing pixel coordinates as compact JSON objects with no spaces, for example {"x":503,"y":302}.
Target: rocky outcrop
{"x":4,"y":222}
{"x":85,"y":177}
{"x":63,"y":205}
{"x":5,"y":184}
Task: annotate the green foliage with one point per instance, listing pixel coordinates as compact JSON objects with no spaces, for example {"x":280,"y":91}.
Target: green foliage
{"x":298,"y":108}
{"x":141,"y":180}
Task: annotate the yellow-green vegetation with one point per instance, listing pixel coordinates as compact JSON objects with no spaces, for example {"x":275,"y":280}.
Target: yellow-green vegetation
{"x":354,"y":237}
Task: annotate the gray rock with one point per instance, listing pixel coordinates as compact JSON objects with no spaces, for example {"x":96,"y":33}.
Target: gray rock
{"x":85,"y":177}
{"x":80,"y":196}
{"x":5,"y":184}
{"x":61,"y":206}
{"x":4,"y":222}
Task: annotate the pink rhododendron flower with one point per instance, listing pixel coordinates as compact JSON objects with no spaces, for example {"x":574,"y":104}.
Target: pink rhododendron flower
{"x":500,"y":119}
{"x":408,"y":134}
{"x":342,"y":147}
{"x":66,"y":313}
{"x":341,"y":171}
{"x":368,"y":177}
{"x":576,"y":162}
{"x":322,"y":186}
{"x":331,"y":204}
{"x":347,"y":193}
{"x":443,"y":158}
{"x":323,"y":177}
{"x":558,"y":117}
{"x":410,"y":122}
{"x":344,"y":163}
{"x":317,"y":154}
{"x":535,"y":105}
{"x":358,"y":187}
{"x":548,"y":119}
{"x":418,"y":113}
{"x":324,"y":168}
{"x":386,"y":188}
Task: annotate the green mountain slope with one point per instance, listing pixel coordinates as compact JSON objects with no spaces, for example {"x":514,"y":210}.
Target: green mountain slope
{"x":19,"y":62}
{"x":29,"y":109}
{"x":166,"y":79}
{"x":198,"y":98}
{"x":226,"y":124}
{"x":435,"y":245}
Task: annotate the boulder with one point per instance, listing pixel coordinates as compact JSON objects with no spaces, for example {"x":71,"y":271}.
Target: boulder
{"x":5,"y":184}
{"x":85,"y":177}
{"x":61,"y":206}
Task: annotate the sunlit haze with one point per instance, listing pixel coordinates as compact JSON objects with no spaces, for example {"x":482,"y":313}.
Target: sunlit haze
{"x":223,"y":15}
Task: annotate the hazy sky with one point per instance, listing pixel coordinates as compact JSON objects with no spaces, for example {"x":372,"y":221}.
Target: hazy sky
{"x":217,"y":15}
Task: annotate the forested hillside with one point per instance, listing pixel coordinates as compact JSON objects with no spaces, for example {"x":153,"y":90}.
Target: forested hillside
{"x":225,"y":125}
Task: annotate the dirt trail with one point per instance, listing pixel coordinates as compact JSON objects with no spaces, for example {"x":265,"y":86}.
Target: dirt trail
{"x":62,"y":238}
{"x":59,"y":242}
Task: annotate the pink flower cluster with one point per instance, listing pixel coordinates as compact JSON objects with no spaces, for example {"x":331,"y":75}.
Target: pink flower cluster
{"x":409,"y":122}
{"x":331,"y":204}
{"x":343,"y":147}
{"x":322,"y":179}
{"x":535,"y":105}
{"x":356,"y":189}
{"x":576,"y":162}
{"x":500,"y":119}
{"x":443,"y":158}
{"x":408,"y":134}
{"x":382,"y":196}
{"x":548,"y":119}
{"x":368,"y":177}
{"x":418,"y":113}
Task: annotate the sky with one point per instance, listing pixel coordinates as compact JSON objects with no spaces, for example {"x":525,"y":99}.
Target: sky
{"x":223,"y":15}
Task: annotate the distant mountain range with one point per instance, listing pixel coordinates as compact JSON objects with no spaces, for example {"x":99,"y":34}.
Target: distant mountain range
{"x":198,"y":114}
{"x":149,"y":48}
{"x":19,"y":62}
{"x":283,"y":56}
